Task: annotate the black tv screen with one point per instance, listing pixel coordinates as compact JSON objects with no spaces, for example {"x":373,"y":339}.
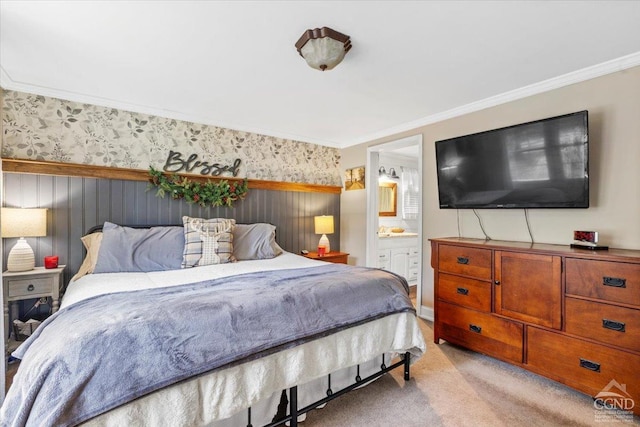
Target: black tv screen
{"x":541,"y":164}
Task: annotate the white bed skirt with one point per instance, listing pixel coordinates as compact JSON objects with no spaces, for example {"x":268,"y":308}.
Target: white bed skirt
{"x":220,"y":398}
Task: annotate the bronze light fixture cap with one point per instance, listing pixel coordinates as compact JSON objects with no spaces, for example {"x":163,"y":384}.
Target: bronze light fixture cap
{"x":323,"y":48}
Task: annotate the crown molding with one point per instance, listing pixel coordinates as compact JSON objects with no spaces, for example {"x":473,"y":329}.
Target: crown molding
{"x":588,"y":73}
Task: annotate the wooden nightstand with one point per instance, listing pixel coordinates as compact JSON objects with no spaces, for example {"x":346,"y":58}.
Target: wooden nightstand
{"x":335,"y":257}
{"x":36,"y":283}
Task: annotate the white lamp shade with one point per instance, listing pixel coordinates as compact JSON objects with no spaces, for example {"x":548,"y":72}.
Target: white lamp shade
{"x":323,"y":224}
{"x":18,"y":222}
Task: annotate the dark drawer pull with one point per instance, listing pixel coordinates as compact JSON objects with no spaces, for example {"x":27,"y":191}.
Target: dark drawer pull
{"x":30,"y":288}
{"x":463,"y":291}
{"x":587,"y":364}
{"x":463,"y":260}
{"x":616,"y":282}
{"x":613,"y":325}
{"x":476,"y":329}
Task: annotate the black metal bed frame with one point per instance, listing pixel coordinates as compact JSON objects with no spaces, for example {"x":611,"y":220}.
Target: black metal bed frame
{"x":294,"y":411}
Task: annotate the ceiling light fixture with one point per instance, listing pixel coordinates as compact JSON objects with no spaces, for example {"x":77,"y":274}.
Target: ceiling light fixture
{"x":323,"y":48}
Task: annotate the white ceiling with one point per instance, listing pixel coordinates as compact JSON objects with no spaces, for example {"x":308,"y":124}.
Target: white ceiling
{"x":234,"y":64}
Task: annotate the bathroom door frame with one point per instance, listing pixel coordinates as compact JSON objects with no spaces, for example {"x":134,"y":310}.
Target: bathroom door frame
{"x":373,"y":164}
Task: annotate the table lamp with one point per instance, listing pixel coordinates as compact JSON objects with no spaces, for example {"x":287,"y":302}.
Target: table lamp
{"x":324,"y":225}
{"x":22,"y":223}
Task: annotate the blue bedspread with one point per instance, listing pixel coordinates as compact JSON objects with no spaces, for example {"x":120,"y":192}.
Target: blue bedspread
{"x":108,"y":350}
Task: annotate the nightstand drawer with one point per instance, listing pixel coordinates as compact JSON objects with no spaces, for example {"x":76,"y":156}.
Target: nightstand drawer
{"x":26,"y":287}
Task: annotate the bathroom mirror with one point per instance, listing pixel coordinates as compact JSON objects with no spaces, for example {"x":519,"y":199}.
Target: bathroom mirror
{"x":387,"y":198}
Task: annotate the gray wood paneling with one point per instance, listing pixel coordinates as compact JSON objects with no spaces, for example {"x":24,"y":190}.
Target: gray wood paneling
{"x":77,"y":204}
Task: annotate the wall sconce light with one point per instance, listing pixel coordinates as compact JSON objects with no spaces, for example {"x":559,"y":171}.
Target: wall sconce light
{"x":323,"y":48}
{"x":22,"y":223}
{"x":324,"y":225}
{"x":384,"y":175}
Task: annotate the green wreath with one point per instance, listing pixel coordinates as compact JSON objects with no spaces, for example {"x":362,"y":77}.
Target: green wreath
{"x":219,"y":193}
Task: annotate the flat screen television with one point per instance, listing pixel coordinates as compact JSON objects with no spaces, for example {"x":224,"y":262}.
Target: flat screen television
{"x":541,"y":164}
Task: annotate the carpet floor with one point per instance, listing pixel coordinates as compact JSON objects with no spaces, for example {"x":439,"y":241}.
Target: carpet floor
{"x":451,"y":386}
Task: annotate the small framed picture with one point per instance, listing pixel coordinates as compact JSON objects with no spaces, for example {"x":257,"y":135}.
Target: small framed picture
{"x":354,"y":178}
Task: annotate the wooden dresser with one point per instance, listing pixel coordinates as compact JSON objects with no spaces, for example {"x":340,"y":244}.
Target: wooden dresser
{"x":572,"y":315}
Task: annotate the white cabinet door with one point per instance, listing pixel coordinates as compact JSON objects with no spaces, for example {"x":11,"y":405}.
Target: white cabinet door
{"x":400,"y":261}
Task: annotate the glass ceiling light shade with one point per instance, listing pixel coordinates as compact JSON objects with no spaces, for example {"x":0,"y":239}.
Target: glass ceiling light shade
{"x":324,"y":225}
{"x":22,"y":223}
{"x":323,"y":48}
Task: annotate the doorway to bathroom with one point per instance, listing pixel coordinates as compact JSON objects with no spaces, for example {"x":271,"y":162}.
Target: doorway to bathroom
{"x":394,"y":209}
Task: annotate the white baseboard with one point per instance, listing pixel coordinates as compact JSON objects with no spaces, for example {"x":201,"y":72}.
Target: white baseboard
{"x":426,"y":313}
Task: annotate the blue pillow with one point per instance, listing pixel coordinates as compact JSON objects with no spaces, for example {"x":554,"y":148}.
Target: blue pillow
{"x":255,"y":241}
{"x":139,"y":249}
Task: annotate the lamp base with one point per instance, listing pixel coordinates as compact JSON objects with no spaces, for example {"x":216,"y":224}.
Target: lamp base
{"x":21,"y":257}
{"x":324,"y":241}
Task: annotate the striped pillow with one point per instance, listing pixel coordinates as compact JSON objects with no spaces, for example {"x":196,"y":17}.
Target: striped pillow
{"x":207,"y":241}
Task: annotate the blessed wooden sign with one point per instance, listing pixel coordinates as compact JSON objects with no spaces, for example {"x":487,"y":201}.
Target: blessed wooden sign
{"x":176,"y":163}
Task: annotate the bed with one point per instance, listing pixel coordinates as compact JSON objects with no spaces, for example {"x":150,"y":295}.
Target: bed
{"x":220,"y":344}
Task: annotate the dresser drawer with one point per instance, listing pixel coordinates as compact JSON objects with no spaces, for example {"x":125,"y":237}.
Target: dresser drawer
{"x":470,"y":262}
{"x":610,"y":281}
{"x":463,"y":291}
{"x":481,"y":332}
{"x":603,"y":322}
{"x":26,"y":287}
{"x":585,"y":366}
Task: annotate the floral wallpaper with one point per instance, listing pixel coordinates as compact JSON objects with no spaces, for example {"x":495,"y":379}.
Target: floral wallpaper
{"x":37,"y":127}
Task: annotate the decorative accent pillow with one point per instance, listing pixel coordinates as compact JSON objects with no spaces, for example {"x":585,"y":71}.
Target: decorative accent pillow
{"x":255,"y":241}
{"x":207,"y":241}
{"x":139,"y":249}
{"x":91,"y":243}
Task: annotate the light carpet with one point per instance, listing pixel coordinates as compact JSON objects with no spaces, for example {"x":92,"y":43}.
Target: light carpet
{"x":451,"y":386}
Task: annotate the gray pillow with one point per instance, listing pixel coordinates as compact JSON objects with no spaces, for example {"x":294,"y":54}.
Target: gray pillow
{"x":139,"y":249}
{"x":255,"y":241}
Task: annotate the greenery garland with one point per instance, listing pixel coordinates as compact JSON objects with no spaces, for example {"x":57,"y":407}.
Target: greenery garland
{"x":219,"y":193}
